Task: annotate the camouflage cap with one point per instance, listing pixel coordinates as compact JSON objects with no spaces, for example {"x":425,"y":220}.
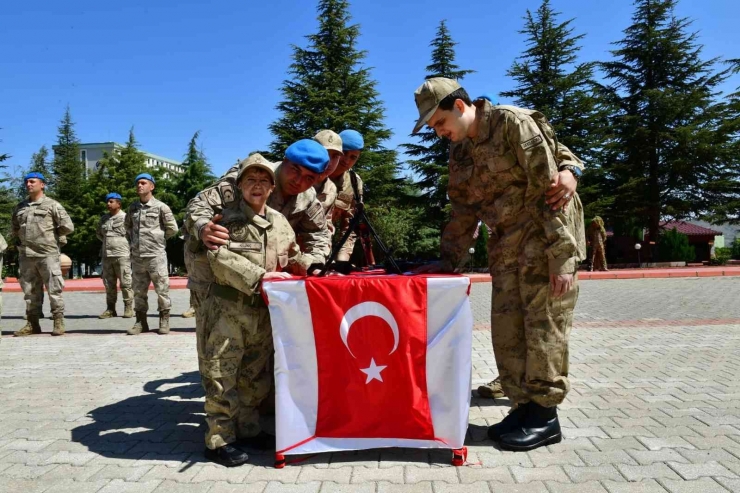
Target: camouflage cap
{"x":330,"y":140}
{"x":256,"y":160}
{"x":429,"y":95}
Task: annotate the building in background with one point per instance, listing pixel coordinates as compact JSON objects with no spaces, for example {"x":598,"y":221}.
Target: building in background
{"x":92,"y":153}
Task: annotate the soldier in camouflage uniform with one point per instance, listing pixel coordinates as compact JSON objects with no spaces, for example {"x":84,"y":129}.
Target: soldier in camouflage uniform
{"x":38,"y":222}
{"x":345,"y":204}
{"x":502,"y":162}
{"x":149,"y":223}
{"x":234,"y":366}
{"x":116,"y":254}
{"x":326,"y":190}
{"x":3,"y":248}
{"x":596,"y":238}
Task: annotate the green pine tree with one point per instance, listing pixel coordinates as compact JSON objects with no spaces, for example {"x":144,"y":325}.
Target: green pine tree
{"x":197,"y":176}
{"x":551,"y":79}
{"x":429,"y":157}
{"x":670,"y":143}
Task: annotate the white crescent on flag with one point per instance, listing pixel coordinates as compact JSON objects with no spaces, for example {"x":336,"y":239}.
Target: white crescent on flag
{"x":367,"y":309}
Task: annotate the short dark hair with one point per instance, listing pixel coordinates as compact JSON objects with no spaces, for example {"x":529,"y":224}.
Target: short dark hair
{"x":449,"y":101}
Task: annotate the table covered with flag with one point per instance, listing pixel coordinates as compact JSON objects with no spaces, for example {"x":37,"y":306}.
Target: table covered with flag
{"x":370,"y":361}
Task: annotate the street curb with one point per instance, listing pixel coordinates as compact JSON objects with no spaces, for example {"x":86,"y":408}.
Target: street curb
{"x":672,"y":273}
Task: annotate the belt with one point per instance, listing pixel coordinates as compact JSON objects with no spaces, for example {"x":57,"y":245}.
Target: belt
{"x":236,"y":296}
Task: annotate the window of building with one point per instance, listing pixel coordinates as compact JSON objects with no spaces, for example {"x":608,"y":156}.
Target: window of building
{"x":83,"y":156}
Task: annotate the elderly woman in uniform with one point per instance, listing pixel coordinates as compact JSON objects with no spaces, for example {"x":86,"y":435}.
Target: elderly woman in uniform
{"x":238,"y":337}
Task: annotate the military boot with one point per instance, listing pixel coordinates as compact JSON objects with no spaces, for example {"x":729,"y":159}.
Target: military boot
{"x":510,"y":423}
{"x":164,"y":322}
{"x":189,"y":313}
{"x":539,"y":427}
{"x":492,"y":390}
{"x":110,"y":312}
{"x":32,"y":326}
{"x":140,"y":326}
{"x":128,"y":311}
{"x":58,"y":325}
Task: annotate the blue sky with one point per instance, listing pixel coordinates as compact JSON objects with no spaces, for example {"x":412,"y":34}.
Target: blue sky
{"x":217,"y":66}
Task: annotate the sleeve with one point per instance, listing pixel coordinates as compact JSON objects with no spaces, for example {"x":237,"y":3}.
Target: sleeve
{"x":63,"y":221}
{"x":128,"y":224}
{"x":534,"y":155}
{"x":15,"y":225}
{"x":457,"y":237}
{"x":3,"y":245}
{"x":566,"y":157}
{"x":201,"y":209}
{"x":313,"y":233}
{"x":168,"y":221}
{"x":231,"y":269}
{"x":99,"y":230}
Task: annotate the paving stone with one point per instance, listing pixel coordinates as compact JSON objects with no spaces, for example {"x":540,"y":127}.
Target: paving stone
{"x":652,"y":471}
{"x":177,"y":474}
{"x":15,"y":485}
{"x":287,"y":475}
{"x":568,"y":457}
{"x":601,"y":458}
{"x":661,"y":443}
{"x":329,"y":487}
{"x":647,"y":486}
{"x":592,"y":473}
{"x":75,"y":473}
{"x":385,"y":487}
{"x":694,"y":471}
{"x":436,"y":474}
{"x":22,"y":471}
{"x":70,"y":486}
{"x":365,"y":474}
{"x":132,"y":473}
{"x":224,"y":487}
{"x":121,"y":486}
{"x":587,"y":487}
{"x":731,"y":484}
{"x":499,"y":474}
{"x":278,"y":487}
{"x":713,"y":455}
{"x":703,"y":485}
{"x":628,"y":443}
{"x":309,"y":474}
{"x":529,"y":474}
{"x":645,"y":457}
{"x":168,"y":486}
{"x":73,"y":458}
{"x":534,"y":487}
{"x":442,"y":487}
{"x":505,"y":459}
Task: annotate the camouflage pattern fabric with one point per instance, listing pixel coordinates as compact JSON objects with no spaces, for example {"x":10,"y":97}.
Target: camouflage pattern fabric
{"x":37,"y":273}
{"x":344,"y":210}
{"x":148,"y":226}
{"x":154,"y":270}
{"x":115,"y":270}
{"x":500,"y":177}
{"x":111,"y":231}
{"x":39,"y":226}
{"x":326,"y":193}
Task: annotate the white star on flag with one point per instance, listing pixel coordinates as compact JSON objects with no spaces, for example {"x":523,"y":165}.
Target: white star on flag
{"x":373,"y":371}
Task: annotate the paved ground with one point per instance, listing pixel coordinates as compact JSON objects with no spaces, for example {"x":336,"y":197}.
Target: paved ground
{"x":655,"y":406}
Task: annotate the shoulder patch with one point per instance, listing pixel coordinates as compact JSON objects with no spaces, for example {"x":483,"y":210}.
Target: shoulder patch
{"x":314,"y":209}
{"x":227,"y":192}
{"x":534,"y":141}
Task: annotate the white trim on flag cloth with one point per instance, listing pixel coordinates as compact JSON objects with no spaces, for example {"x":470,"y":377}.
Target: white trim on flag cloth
{"x":448,"y":369}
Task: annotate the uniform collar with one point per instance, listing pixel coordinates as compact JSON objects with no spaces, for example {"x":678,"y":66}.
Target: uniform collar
{"x":153,"y":201}
{"x":254,"y":218}
{"x":483,"y":115}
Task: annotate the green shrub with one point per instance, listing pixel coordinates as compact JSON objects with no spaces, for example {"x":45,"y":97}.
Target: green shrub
{"x":736,"y":249}
{"x":674,"y":247}
{"x":722,"y":255}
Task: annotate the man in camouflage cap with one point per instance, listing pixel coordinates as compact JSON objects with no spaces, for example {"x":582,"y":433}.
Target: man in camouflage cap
{"x":348,"y":192}
{"x":149,"y":223}
{"x":116,"y":254}
{"x":502,"y":162}
{"x":326,"y":190}
{"x":235,"y":363}
{"x":38,"y":222}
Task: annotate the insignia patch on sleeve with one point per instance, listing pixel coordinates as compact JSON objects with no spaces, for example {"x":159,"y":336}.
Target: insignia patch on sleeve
{"x":534,"y":141}
{"x":313,"y":210}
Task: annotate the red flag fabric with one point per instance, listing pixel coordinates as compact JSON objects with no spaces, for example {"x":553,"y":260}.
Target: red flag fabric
{"x":371,"y":344}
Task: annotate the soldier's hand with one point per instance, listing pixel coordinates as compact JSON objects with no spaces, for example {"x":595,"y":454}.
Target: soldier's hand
{"x":433,"y":268}
{"x":276,"y":275}
{"x":214,"y":235}
{"x":560,"y":284}
{"x":562,"y":188}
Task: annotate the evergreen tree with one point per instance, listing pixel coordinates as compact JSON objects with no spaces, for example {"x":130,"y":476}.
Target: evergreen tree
{"x":550,"y":79}
{"x":431,"y":156}
{"x":669,"y":143}
{"x":328,"y":87}
{"x":196,"y":177}
{"x":7,"y":200}
{"x":39,"y":162}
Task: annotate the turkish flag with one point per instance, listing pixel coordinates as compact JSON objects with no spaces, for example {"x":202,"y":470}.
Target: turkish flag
{"x":367,"y":361}
{"x":371,"y":342}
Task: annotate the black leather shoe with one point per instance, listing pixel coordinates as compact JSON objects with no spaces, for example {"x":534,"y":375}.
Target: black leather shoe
{"x":261,"y":441}
{"x":510,"y":423}
{"x":227,"y":456}
{"x":539,"y":427}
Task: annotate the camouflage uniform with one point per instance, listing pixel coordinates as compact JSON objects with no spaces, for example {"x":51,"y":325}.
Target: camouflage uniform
{"x":234,"y":364}
{"x":116,"y":254}
{"x":39,"y":226}
{"x":500,"y":177}
{"x":597,"y":237}
{"x":326,"y":193}
{"x":3,"y":248}
{"x":345,"y":208}
{"x":148,"y":226}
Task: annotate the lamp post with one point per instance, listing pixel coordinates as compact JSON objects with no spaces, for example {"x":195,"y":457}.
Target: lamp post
{"x":471,"y":251}
{"x":638,"y":247}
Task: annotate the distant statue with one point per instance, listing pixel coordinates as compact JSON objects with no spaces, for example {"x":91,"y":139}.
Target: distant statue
{"x":596,"y":235}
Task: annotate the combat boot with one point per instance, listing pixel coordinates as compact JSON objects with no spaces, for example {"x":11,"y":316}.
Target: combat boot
{"x":539,"y":427}
{"x":164,"y":322}
{"x":492,"y":390}
{"x":58,"y":325}
{"x":32,"y":326}
{"x":128,"y":311}
{"x":510,"y":423}
{"x":189,"y":313}
{"x":110,"y":312}
{"x":140,"y":326}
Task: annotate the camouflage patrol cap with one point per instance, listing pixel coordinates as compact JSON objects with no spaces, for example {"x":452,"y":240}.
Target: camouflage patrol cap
{"x":429,"y":95}
{"x":258,"y":161}
{"x":330,"y":140}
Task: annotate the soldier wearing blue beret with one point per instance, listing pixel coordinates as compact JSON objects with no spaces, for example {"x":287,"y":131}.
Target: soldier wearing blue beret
{"x":116,"y":257}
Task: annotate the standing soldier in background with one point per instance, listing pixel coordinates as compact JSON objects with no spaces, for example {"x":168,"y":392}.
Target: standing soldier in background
{"x":597,"y":238}
{"x":149,"y":223}
{"x":502,"y":162}
{"x":116,"y":253}
{"x":38,"y":222}
{"x":326,"y":190}
{"x":3,"y":248}
{"x":347,"y":188}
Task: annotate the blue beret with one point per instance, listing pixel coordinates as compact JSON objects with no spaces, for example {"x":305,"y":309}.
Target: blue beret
{"x":113,"y":195}
{"x":309,"y":154}
{"x":352,"y":140}
{"x":34,"y":174}
{"x":144,"y":176}
{"x":491,"y":96}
